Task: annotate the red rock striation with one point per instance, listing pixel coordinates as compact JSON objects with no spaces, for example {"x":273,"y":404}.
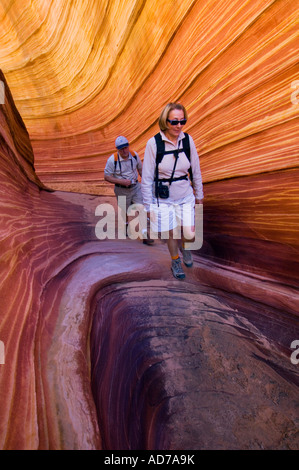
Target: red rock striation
{"x":40,"y":235}
{"x":190,"y":369}
{"x":105,"y":350}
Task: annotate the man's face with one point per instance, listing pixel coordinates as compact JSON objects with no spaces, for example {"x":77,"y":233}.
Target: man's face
{"x":124,"y":152}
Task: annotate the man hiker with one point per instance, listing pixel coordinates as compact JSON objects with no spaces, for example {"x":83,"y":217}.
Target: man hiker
{"x":122,"y":170}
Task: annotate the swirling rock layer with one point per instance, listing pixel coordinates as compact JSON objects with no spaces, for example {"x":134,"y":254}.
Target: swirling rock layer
{"x":189,"y":369}
{"x":103,"y":348}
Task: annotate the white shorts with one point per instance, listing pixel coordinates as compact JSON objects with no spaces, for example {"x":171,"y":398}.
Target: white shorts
{"x":170,"y":216}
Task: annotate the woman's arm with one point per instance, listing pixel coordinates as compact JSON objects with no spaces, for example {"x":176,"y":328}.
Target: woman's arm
{"x":196,"y":173}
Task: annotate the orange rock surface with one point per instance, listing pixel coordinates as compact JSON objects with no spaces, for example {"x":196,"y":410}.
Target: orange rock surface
{"x":97,"y":332}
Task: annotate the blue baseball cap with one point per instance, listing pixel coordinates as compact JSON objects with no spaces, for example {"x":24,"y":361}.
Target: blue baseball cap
{"x":121,"y":142}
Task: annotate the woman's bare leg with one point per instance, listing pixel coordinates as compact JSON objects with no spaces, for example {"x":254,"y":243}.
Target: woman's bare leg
{"x":173,"y":245}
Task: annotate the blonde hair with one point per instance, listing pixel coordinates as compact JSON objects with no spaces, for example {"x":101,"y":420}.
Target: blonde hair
{"x":165,"y":113}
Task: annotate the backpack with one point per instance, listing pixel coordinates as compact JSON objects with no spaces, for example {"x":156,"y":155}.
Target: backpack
{"x":160,"y":154}
{"x":161,"y":150}
{"x":117,"y":160}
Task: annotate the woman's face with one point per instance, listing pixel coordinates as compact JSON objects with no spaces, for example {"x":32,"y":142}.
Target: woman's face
{"x":173,"y":132}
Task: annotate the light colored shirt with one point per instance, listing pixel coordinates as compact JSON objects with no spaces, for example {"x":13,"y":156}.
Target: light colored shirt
{"x":179,"y":190}
{"x":127,"y":169}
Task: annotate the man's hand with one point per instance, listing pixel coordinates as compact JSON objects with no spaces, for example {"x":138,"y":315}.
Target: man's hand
{"x":113,"y":180}
{"x":126,"y":182}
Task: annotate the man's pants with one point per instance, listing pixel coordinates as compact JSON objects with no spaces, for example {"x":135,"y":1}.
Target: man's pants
{"x":133,"y":196}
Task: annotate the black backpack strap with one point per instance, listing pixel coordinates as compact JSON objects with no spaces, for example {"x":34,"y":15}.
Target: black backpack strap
{"x":161,"y":152}
{"x":159,"y":155}
{"x":115,"y":162}
{"x":186,"y":148}
{"x":176,"y":156}
{"x":160,"y":148}
{"x":116,"y":159}
{"x":186,"y":145}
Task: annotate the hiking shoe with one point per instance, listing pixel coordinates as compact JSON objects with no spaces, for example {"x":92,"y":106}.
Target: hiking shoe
{"x":187,"y":258}
{"x":148,"y":241}
{"x":176,"y":268}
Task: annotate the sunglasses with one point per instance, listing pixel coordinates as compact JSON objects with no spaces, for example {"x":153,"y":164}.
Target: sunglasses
{"x":175,"y":122}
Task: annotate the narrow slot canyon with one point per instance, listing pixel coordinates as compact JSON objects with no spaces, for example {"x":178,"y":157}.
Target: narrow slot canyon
{"x":101,"y":347}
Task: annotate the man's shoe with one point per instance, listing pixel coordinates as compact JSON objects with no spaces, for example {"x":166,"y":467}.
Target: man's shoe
{"x":177,"y":270}
{"x":187,"y":258}
{"x":148,"y":241}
